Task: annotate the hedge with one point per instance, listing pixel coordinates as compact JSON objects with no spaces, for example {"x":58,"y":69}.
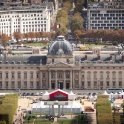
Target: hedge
{"x":8,"y":108}
{"x":103,"y":110}
{"x":2,"y":122}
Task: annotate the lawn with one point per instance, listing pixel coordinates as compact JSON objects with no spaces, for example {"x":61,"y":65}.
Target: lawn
{"x":80,"y":119}
{"x":35,"y":44}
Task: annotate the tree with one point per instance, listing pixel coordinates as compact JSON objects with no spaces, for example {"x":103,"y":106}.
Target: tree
{"x":26,"y":35}
{"x":31,"y":35}
{"x":17,"y":36}
{"x":4,"y":38}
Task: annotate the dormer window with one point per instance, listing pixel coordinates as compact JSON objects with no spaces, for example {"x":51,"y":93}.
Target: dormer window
{"x":7,"y":62}
{"x":13,"y":62}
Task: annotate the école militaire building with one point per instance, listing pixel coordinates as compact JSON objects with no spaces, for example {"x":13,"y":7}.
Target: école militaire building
{"x":62,"y":68}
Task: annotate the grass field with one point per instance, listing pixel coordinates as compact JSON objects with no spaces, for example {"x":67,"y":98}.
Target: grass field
{"x":80,"y":119}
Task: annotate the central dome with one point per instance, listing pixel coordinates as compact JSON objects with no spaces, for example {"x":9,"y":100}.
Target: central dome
{"x":60,"y":47}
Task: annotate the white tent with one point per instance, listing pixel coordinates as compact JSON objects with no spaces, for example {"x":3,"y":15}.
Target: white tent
{"x":45,"y":96}
{"x":50,"y":108}
{"x":105,"y":93}
{"x":91,"y":98}
{"x":122,"y":94}
{"x":115,"y":95}
{"x":111,"y":96}
{"x":71,"y":96}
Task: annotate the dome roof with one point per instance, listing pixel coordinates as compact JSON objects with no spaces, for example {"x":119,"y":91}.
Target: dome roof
{"x":60,"y":47}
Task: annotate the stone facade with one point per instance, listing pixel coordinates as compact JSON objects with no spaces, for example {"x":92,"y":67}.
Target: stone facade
{"x":65,"y":71}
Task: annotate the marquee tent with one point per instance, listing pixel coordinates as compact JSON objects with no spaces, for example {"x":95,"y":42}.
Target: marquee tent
{"x":71,"y":96}
{"x":105,"y":93}
{"x":52,"y":108}
{"x":58,"y":95}
{"x":45,"y":96}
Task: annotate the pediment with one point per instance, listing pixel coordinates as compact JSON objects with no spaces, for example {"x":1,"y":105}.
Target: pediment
{"x":60,"y":65}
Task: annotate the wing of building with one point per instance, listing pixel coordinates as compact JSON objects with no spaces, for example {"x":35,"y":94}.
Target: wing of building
{"x":62,"y":68}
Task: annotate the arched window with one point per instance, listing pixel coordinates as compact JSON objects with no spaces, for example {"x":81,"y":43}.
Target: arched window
{"x":120,"y":74}
{"x":101,"y":74}
{"x":113,"y":74}
{"x":31,"y":75}
{"x":0,"y":75}
{"x":88,"y":74}
{"x":13,"y":75}
{"x":107,"y":74}
{"x":95,"y":74}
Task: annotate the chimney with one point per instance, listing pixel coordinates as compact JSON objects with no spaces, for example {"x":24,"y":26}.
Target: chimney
{"x":98,"y":56}
{"x":122,"y":57}
{"x":85,"y":57}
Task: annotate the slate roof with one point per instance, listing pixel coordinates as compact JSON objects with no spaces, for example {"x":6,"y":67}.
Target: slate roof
{"x":23,"y":59}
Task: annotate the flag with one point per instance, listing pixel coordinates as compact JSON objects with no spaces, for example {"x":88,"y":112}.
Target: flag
{"x":57,"y":26}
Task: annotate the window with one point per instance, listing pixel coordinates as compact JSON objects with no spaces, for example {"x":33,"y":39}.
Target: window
{"x":120,"y":74}
{"x":89,"y":83}
{"x":0,"y":75}
{"x":6,"y":84}
{"x":19,"y":84}
{"x":82,"y":84}
{"x":107,"y":75}
{"x":12,"y":74}
{"x":101,"y":74}
{"x":88,"y":74}
{"x":19,"y":75}
{"x":95,"y":83}
{"x":59,"y":74}
{"x":0,"y":84}
{"x":120,"y":84}
{"x":7,"y":75}
{"x":31,"y":75}
{"x":38,"y":84}
{"x":25,"y":75}
{"x":52,"y":74}
{"x":31,"y":84}
{"x":101,"y":83}
{"x":67,"y":74}
{"x":107,"y":84}
{"x":76,"y":84}
{"x":76,"y":75}
{"x":113,"y":83}
{"x":44,"y":75}
{"x":37,"y":75}
{"x":13,"y":84}
{"x":25,"y":84}
{"x":52,"y":60}
{"x":95,"y":74}
{"x":113,"y":74}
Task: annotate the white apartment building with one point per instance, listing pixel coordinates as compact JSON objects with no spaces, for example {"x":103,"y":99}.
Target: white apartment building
{"x":106,"y":16}
{"x":34,"y":18}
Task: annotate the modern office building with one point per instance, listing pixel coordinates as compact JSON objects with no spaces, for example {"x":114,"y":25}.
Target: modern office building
{"x":62,"y":68}
{"x":17,"y":17}
{"x":106,"y":15}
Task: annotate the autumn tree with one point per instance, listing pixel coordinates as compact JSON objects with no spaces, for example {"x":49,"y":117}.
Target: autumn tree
{"x":4,"y":38}
{"x":77,"y":22}
{"x":26,"y":35}
{"x":17,"y":36}
{"x":31,"y":35}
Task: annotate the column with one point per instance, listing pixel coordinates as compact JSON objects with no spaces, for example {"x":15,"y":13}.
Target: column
{"x":73,"y":86}
{"x":40,"y":76}
{"x":58,"y":110}
{"x":52,"y":109}
{"x":49,"y":79}
{"x":56,"y":83}
{"x":64,"y":83}
{"x":71,"y":80}
{"x":79,"y":78}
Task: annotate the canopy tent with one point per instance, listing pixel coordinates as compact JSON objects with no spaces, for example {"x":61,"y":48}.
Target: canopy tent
{"x":51,"y":108}
{"x":105,"y":93}
{"x":45,"y":96}
{"x":91,"y":98}
{"x":58,"y":95}
{"x":71,"y":96}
